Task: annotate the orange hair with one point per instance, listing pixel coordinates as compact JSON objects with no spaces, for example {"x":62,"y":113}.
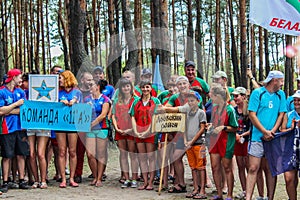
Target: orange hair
{"x":70,"y":80}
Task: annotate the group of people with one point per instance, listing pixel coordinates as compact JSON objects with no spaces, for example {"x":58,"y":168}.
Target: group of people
{"x":220,"y":119}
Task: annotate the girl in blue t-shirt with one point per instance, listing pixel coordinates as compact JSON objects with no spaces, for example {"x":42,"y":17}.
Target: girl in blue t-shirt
{"x":96,"y":140}
{"x":69,"y":94}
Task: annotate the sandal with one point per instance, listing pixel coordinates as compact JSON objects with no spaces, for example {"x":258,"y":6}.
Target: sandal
{"x":43,"y":185}
{"x":200,"y":196}
{"x":63,"y":185}
{"x":73,"y":184}
{"x":175,"y":190}
{"x":35,"y":185}
{"x":216,"y":198}
{"x":191,"y":195}
{"x":98,"y":184}
{"x":142,"y":187}
{"x":149,"y":188}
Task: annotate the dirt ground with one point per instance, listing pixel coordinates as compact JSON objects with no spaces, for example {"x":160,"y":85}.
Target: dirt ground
{"x":112,"y":189}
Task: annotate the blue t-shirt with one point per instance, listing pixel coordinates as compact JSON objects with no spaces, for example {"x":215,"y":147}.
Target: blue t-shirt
{"x":267,"y":107}
{"x":292,"y":115}
{"x":65,"y":95}
{"x":97,"y":105}
{"x":108,"y":91}
{"x":10,"y":123}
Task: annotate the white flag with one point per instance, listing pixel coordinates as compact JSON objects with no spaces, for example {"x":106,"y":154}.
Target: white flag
{"x":280,"y":16}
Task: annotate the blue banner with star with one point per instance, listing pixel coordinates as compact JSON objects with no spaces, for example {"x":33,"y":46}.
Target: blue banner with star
{"x":56,"y":116}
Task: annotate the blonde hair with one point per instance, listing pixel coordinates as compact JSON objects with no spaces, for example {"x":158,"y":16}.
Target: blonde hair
{"x":70,"y":80}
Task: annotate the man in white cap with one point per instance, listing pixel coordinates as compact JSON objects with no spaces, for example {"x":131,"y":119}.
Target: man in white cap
{"x":220,"y":77}
{"x":267,"y":106}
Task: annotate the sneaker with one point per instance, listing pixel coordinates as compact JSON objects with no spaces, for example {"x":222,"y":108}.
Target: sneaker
{"x":91,"y":176}
{"x":13,"y":185}
{"x":262,"y":198}
{"x":126,"y":184}
{"x":78,"y":179}
{"x":43,"y":185}
{"x":241,"y":195}
{"x":133,"y":184}
{"x":4,"y":188}
{"x":24,"y":186}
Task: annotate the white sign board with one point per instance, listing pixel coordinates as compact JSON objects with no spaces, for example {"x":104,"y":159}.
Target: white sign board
{"x":43,"y":87}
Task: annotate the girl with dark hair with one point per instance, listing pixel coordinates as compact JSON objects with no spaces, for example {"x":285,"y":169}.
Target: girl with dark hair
{"x":141,"y":113}
{"x":96,"y":140}
{"x":124,"y":133}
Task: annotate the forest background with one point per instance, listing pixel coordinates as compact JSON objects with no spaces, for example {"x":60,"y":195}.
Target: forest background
{"x":124,"y":34}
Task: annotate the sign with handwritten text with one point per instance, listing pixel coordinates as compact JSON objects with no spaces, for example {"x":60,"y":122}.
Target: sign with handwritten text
{"x":168,"y":122}
{"x":56,"y":116}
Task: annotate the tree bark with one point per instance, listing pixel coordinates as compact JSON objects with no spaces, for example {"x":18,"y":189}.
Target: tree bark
{"x":189,"y":53}
{"x":267,"y":54}
{"x":130,"y":36}
{"x":243,"y":38}
{"x":79,"y":57}
{"x":165,"y":59}
{"x":261,"y":54}
{"x":234,"y":55}
{"x":138,"y":31}
{"x":217,"y":35}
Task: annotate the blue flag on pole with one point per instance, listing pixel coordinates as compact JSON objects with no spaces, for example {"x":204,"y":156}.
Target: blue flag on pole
{"x":157,"y":81}
{"x":280,"y":152}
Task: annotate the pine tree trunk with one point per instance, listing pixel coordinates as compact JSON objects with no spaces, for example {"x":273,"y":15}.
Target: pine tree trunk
{"x":227,"y":49}
{"x":79,"y":58}
{"x":198,"y":38}
{"x":48,"y":38}
{"x":138,"y":31}
{"x":174,"y":39}
{"x":27,"y":38}
{"x":114,"y":51}
{"x":260,"y":54}
{"x":37,"y":39}
{"x":267,"y":54}
{"x":62,"y":33}
{"x":289,"y":70}
{"x":165,"y":59}
{"x":43,"y":39}
{"x":243,"y":38}
{"x":130,"y":36}
{"x":189,"y":53}
{"x":96,"y":32}
{"x":234,"y":55}
{"x":253,"y":50}
{"x":217,"y":35}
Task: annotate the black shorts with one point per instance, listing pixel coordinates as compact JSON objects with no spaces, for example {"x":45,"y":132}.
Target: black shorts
{"x":13,"y":144}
